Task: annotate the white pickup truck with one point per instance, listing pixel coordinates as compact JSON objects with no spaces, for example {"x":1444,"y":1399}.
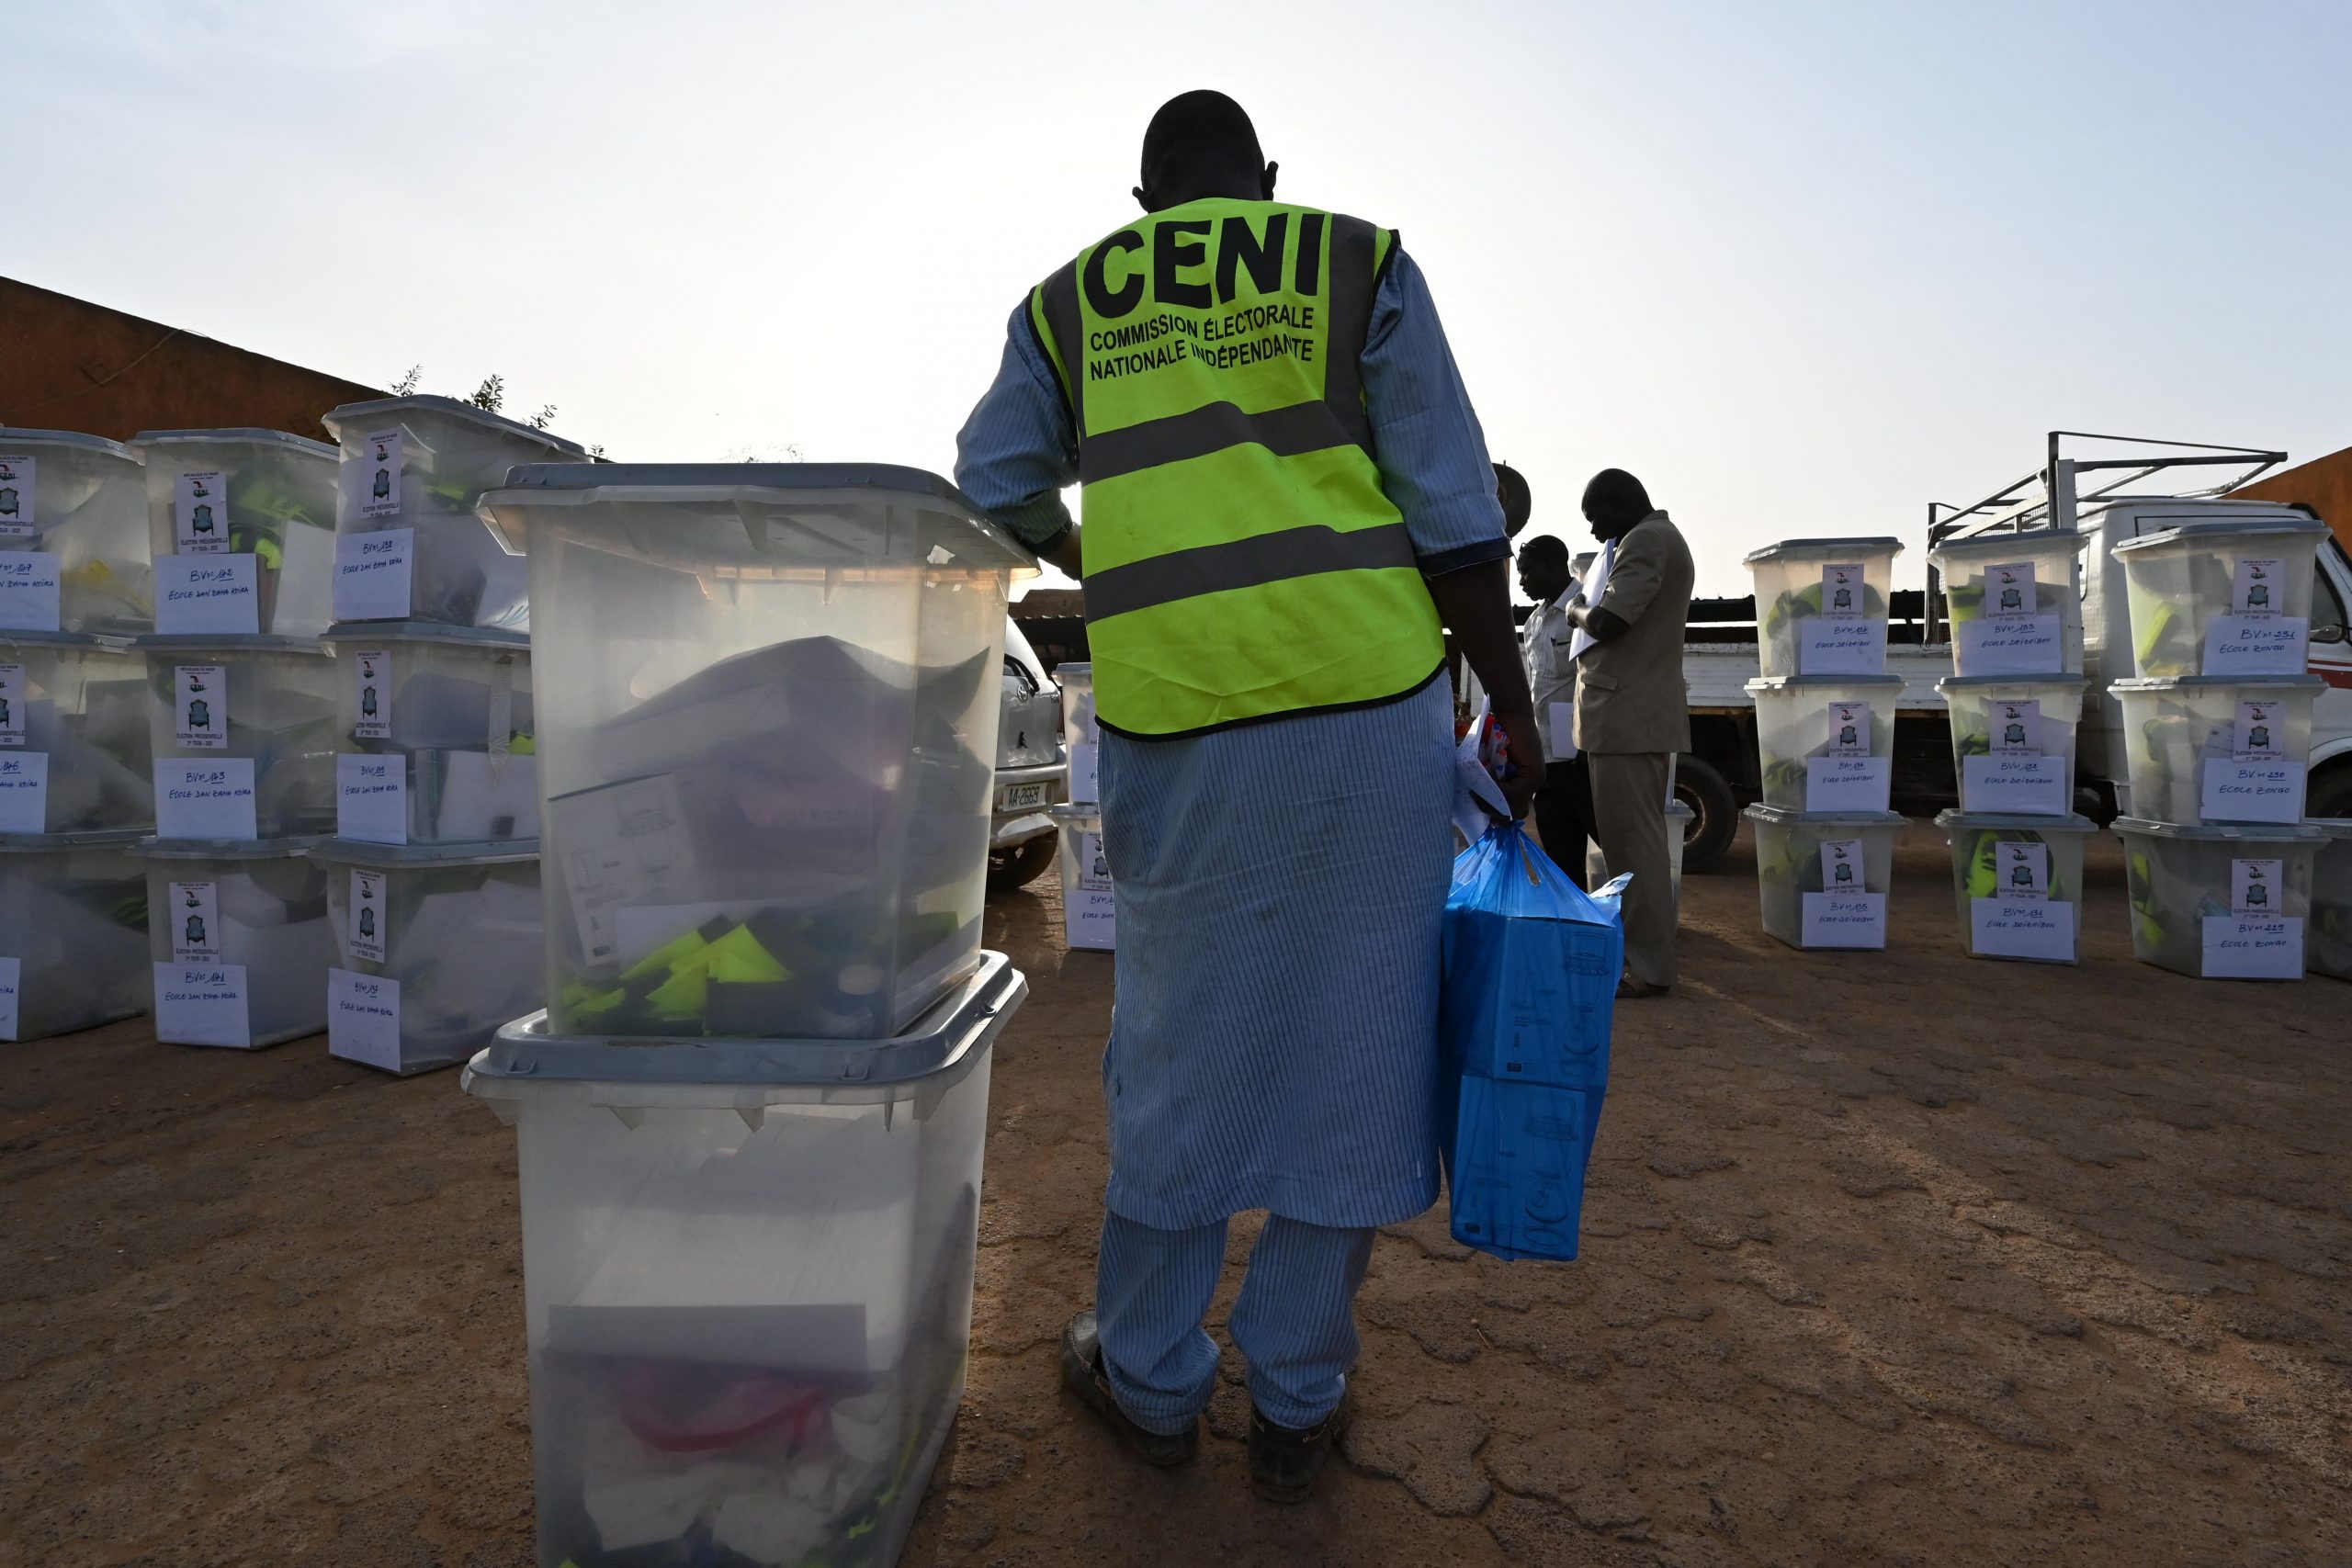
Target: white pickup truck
{"x":2094,"y":484}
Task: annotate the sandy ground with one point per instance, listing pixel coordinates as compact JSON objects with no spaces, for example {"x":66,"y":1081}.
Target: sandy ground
{"x":1889,"y":1258}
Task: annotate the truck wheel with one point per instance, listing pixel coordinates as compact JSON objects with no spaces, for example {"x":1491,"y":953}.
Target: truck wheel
{"x":1700,"y":785}
{"x":1020,"y":864}
{"x":2331,"y":792}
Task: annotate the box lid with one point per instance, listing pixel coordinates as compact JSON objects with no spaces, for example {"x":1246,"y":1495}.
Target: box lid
{"x":525,"y":1062}
{"x":2334,"y":827}
{"x":2231,"y":832}
{"x":89,"y":838}
{"x":227,"y":642}
{"x":1681,"y":808}
{"x":1954,"y":820}
{"x":1084,"y":817}
{"x":2294,"y":526}
{"x":84,"y":641}
{"x":11,"y":436}
{"x":507,"y":508}
{"x":1777,"y":683}
{"x":302,"y":445}
{"x":506,"y":638}
{"x":1780,"y":816}
{"x":2073,"y":685}
{"x":404,"y":857}
{"x":451,"y":408}
{"x":1823,"y":549}
{"x":2136,"y":684}
{"x":225,"y":849}
{"x":1993,"y":546}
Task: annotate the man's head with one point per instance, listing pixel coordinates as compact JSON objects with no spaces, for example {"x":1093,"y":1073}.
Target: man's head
{"x":1613,"y":502}
{"x":1544,"y":568}
{"x":1202,"y":144}
{"x":1518,"y":501}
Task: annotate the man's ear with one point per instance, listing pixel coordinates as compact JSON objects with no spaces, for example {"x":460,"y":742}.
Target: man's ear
{"x":1142,"y":199}
{"x":1271,"y":169}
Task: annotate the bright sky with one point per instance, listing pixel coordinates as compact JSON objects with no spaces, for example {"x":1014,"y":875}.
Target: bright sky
{"x":1802,"y":268}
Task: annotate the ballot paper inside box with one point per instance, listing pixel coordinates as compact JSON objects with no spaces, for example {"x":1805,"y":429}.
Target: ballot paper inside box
{"x":80,"y":705}
{"x":74,"y":553}
{"x":748,"y":1273}
{"x":72,"y":932}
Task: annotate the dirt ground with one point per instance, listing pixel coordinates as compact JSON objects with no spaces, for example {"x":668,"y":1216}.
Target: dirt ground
{"x":1889,"y":1258}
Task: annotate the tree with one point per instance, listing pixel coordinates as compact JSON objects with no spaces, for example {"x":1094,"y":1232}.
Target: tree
{"x":406,"y":385}
{"x":544,"y":417}
{"x":490,"y":396}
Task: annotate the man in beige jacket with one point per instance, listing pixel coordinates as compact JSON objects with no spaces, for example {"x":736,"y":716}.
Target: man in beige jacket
{"x":1633,"y":706}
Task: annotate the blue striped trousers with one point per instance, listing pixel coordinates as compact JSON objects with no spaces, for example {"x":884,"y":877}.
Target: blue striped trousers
{"x":1294,"y":1322}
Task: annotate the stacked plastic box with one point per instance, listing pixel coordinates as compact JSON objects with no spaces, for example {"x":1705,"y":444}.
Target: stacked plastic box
{"x":1825,"y":724}
{"x":1089,"y":914}
{"x":240,"y":712}
{"x":2217,"y":736}
{"x":2014,"y":701}
{"x":2328,"y":941}
{"x":75,"y":793}
{"x":750,"y":1121}
{"x":433,"y":873}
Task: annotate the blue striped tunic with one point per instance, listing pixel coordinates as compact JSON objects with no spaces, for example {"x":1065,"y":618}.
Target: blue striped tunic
{"x":1279,"y":885}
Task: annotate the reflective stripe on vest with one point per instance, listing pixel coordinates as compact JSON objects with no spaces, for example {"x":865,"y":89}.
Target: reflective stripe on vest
{"x":1241,"y":561}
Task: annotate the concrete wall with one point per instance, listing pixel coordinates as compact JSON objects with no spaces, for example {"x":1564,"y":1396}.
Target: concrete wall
{"x":2325,"y":484}
{"x":66,"y":363}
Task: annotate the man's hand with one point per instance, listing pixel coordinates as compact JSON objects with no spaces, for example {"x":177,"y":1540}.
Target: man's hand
{"x":1526,"y":761}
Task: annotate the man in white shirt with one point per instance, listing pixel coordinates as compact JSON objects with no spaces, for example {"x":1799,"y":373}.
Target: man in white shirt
{"x":1564,"y":801}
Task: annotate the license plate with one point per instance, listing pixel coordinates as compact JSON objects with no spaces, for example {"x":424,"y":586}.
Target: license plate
{"x":1020,"y":796}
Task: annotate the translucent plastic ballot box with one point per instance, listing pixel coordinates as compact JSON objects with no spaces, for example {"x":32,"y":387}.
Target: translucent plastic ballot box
{"x":2013,"y":741}
{"x":409,"y":545}
{"x":2205,"y":748}
{"x":243,"y":731}
{"x":238,"y":941}
{"x":1822,"y":605}
{"x":1824,"y":876}
{"x":2226,"y":597}
{"x":1678,"y":817}
{"x":767,"y":700}
{"x":1090,"y":914}
{"x":435,"y":947}
{"x":2220,"y":903}
{"x":242,"y":526}
{"x":435,"y":730}
{"x":747,"y":1277}
{"x":73,"y":535}
{"x":1826,"y":742}
{"x":72,"y":932}
{"x":2016,"y":601}
{"x":75,"y":754}
{"x":2328,"y":941}
{"x":1083,"y":737}
{"x":2018,"y":878}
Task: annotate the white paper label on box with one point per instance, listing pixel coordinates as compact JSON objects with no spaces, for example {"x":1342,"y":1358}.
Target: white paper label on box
{"x":199,"y":797}
{"x":12,"y":705}
{"x":1827,"y":646}
{"x":30,"y":597}
{"x":194,"y":919}
{"x":207,"y":594}
{"x":2029,"y":645}
{"x":2231,"y":791}
{"x":371,"y":672}
{"x":2254,"y":587}
{"x":2009,"y":591}
{"x":366,"y":937}
{"x":24,"y":791}
{"x":364,"y":1019}
{"x":1847,"y":783}
{"x":2020,"y":870}
{"x":2016,"y":729}
{"x":1562,"y":720}
{"x":2032,"y":786}
{"x":371,"y":798}
{"x":381,"y":474}
{"x":200,"y":515}
{"x":200,"y":706}
{"x":1849,"y":729}
{"x":2244,"y":947}
{"x":1094,"y":869}
{"x":2243,"y":645}
{"x":1083,"y":780}
{"x":1845,"y":920}
{"x":2022,"y":928}
{"x":371,"y":575}
{"x":18,"y":515}
{"x":1842,"y":587}
{"x":201,"y":1004}
{"x":2256,"y":735}
{"x":1088,"y":918}
{"x":2253,"y":886}
{"x":11,"y":970}
{"x":1842,"y":865}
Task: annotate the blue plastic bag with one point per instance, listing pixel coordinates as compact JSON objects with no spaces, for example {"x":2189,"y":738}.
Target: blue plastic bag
{"x":1531,"y":970}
